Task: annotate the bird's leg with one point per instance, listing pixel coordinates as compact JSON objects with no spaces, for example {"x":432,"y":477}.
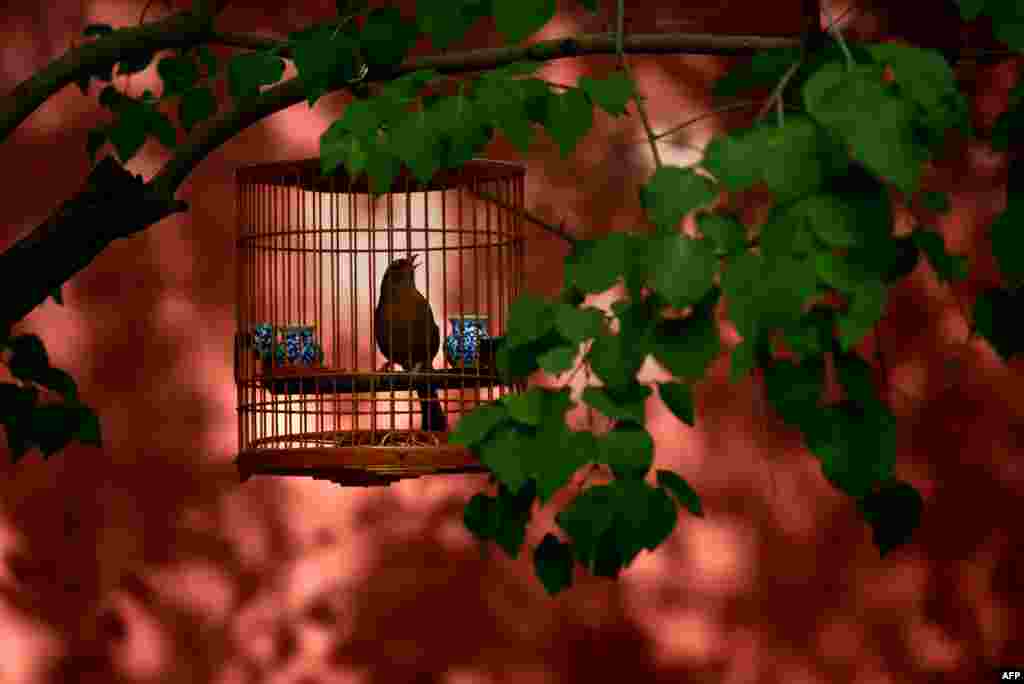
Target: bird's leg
{"x":387,"y":366}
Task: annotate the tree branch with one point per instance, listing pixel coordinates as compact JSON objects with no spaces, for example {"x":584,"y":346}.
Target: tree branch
{"x":112,"y":204}
{"x":178,"y":30}
{"x":210,"y":135}
{"x":79,"y":235}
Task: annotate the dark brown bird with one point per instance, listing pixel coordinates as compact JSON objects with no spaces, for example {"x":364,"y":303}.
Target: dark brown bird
{"x":407,"y":333}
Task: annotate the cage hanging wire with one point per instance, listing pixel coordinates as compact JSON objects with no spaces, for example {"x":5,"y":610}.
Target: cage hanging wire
{"x":315,"y":396}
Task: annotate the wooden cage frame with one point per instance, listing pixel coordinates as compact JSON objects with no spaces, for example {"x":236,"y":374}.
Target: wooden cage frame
{"x":311,"y":251}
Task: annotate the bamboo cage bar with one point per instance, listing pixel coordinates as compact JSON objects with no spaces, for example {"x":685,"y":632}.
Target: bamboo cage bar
{"x":314,"y":395}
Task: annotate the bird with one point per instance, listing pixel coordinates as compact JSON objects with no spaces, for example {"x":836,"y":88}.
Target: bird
{"x":407,"y":334}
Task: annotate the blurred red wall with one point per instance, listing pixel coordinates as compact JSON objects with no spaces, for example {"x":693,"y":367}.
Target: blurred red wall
{"x":146,"y":561}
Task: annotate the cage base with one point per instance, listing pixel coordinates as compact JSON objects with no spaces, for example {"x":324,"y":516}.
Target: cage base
{"x":358,"y":466}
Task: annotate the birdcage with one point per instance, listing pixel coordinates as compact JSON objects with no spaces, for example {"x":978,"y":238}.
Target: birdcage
{"x":316,"y":394}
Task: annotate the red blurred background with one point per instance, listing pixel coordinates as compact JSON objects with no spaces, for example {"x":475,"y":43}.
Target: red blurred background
{"x":147,"y":561}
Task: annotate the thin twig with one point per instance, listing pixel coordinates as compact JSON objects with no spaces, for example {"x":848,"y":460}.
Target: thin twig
{"x":636,"y":95}
{"x":780,"y":89}
{"x":555,"y":230}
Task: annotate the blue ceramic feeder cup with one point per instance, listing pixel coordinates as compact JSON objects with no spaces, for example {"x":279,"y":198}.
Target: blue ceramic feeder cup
{"x":462,"y":348}
{"x":289,"y":345}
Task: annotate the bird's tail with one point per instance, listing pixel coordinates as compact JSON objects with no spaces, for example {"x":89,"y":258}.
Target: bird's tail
{"x":432,"y":415}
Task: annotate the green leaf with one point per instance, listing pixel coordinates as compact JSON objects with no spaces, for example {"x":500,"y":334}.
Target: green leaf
{"x":57,"y":380}
{"x":866,"y":308}
{"x":935,"y":201}
{"x":88,"y":431}
{"x":795,"y":159}
{"x":447,"y":22}
{"x":904,"y":259}
{"x":995,"y":318}
{"x":381,"y":166}
{"x":596,"y":265}
{"x":724,"y":231}
{"x":513,"y":513}
{"x":28,"y":357}
{"x":743,"y":358}
{"x":386,"y":38}
{"x":855,"y":375}
{"x":1007,"y":243}
{"x":477,"y":425}
{"x":615,"y":360}
{"x":682,"y":268}
{"x":678,"y":397}
{"x":925,"y":78}
{"x":527,"y":407}
{"x":208,"y":60}
{"x":794,"y":390}
{"x":16,"y":406}
{"x":764,"y":70}
{"x":97,"y":136}
{"x":948,"y":267}
{"x":519,"y":19}
{"x":530,"y":318}
{"x":97,"y":30}
{"x":249,"y":71}
{"x":894,"y":513}
{"x":733,"y":160}
{"x":503,"y":454}
{"x":552,"y":561}
{"x":831,"y":217}
{"x":627,"y":403}
{"x":686,"y":347}
{"x":480,"y":516}
{"x":558,"y":360}
{"x":682,"y":491}
{"x":516,"y":362}
{"x":877,"y":125}
{"x":416,"y":141}
{"x":856,"y":444}
{"x":571,"y":451}
{"x":811,"y":335}
{"x":339,"y":147}
{"x":569,"y":117}
{"x":128,"y":134}
{"x":324,"y":58}
{"x":586,"y":518}
{"x":646,"y":517}
{"x":178,"y":74}
{"x":672,"y":192}
{"x":135,"y":63}
{"x":628,"y":449}
{"x":197,"y":104}
{"x":579,"y":325}
{"x":610,"y":94}
{"x":970,"y":9}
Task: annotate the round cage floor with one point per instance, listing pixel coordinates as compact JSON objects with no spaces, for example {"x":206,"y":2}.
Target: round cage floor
{"x":357,"y":458}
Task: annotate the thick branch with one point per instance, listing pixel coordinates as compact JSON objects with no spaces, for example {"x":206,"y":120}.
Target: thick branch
{"x":222,"y":128}
{"x":112,"y":204}
{"x":178,"y":30}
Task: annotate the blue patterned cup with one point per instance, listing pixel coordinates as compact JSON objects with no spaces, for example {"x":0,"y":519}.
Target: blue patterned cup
{"x":290,"y":344}
{"x":300,"y":345}
{"x":461,"y":348}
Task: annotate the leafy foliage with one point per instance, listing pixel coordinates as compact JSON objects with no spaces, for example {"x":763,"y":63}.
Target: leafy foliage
{"x":856,"y":121}
{"x":51,"y":425}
